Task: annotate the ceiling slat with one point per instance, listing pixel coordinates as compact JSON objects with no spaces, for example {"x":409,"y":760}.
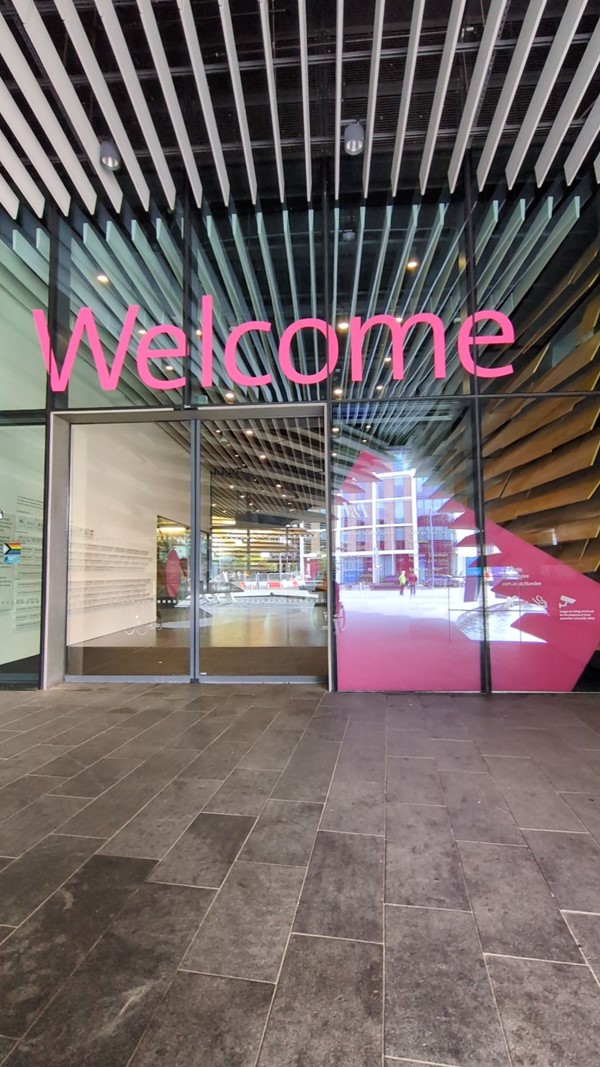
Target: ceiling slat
{"x":441,"y":88}
{"x":21,"y":176}
{"x":238,"y":95}
{"x":574,"y":95}
{"x":61,"y":82}
{"x":170,"y":94}
{"x":407,"y":86}
{"x":36,"y":153}
{"x":493,"y":25}
{"x":583,"y":144}
{"x":68,"y":13}
{"x":8,"y":198}
{"x":272,"y":87}
{"x":372,"y":97}
{"x":305,"y":96}
{"x":545,"y":83}
{"x":28,"y":84}
{"x":131,"y":81}
{"x":512,"y":80}
{"x":191,"y":36}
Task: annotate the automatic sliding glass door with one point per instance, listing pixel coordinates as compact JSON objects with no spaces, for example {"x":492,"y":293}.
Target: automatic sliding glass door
{"x":262,"y":551}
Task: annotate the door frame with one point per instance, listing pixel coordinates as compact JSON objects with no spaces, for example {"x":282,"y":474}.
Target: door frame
{"x":56,"y":543}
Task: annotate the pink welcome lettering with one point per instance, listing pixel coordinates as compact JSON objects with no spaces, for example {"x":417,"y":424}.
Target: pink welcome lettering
{"x":109,"y":378}
{"x":85,"y":324}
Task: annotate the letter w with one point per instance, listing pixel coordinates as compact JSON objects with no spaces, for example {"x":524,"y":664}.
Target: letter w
{"x":84,"y":323}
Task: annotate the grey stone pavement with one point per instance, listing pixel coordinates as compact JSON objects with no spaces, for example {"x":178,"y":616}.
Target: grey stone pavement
{"x":235,"y":876}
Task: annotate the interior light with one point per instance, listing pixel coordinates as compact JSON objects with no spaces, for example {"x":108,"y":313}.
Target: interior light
{"x":378,"y":388}
{"x":198,"y":333}
{"x":388,"y":359}
{"x":343,"y":325}
{"x":230,"y":396}
{"x":364,"y":440}
{"x":354,"y":138}
{"x":103,"y":278}
{"x":250,"y":433}
{"x":412,"y":264}
{"x":168,"y":367}
{"x":262,"y":456}
{"x":338,"y":392}
{"x":336,"y":429}
{"x":232,"y":486}
{"x":399,"y":317}
{"x":110,"y":157}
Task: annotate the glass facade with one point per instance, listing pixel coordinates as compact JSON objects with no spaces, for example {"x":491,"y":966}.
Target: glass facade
{"x":439,"y":512}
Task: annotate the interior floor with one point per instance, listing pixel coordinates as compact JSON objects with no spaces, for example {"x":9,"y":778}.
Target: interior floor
{"x":256,"y":636}
{"x":258,"y":877}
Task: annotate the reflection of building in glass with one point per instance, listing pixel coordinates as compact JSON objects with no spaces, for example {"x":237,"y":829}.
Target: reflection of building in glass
{"x":377,"y":527}
{"x":387,"y":522}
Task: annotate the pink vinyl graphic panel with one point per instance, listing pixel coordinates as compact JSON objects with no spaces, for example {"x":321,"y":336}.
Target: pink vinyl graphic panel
{"x":543,"y":617}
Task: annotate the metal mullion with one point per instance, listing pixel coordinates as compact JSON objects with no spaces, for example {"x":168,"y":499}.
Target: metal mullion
{"x":357,"y":269}
{"x":476,"y":426}
{"x":289,"y":254}
{"x":332,"y":683}
{"x":195,"y":553}
{"x":337,"y":133}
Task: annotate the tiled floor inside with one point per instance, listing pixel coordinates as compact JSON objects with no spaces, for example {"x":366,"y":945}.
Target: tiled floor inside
{"x":276,"y":876}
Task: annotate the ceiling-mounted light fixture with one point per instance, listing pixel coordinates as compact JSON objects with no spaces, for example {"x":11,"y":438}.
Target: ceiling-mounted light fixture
{"x":354,"y":138}
{"x":110,"y":157}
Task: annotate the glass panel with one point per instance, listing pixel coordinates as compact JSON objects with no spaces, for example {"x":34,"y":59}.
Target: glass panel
{"x":24,"y":255}
{"x":118,"y":271}
{"x":129,"y":546}
{"x":542,"y":480}
{"x":21,"y":538}
{"x":541,"y":269}
{"x":262,"y":592}
{"x":404,"y":603}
